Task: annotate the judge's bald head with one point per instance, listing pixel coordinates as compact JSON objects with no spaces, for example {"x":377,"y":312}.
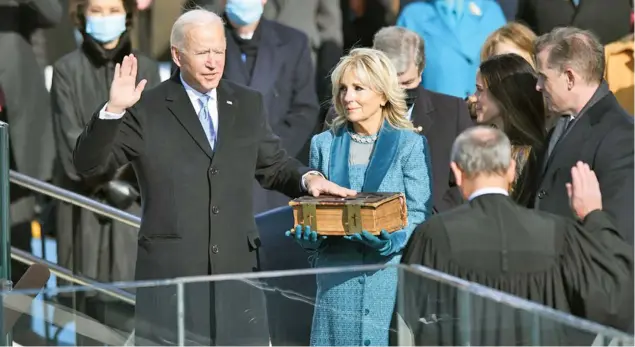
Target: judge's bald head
{"x":482,"y":158}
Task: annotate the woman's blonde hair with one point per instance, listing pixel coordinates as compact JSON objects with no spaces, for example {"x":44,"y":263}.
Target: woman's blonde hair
{"x":374,"y":70}
{"x":515,"y":33}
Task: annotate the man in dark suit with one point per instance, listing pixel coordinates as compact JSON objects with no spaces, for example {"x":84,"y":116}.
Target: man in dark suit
{"x":580,"y":267}
{"x":441,"y":117}
{"x":275,"y":60}
{"x":196,"y":142}
{"x":595,"y":128}
{"x":608,"y":20}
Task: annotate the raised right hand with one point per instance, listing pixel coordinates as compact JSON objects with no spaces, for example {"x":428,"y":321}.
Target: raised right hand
{"x":584,"y":190}
{"x":124,"y":90}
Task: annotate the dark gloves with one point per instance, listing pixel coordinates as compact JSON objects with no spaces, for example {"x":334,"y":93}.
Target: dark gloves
{"x":383,"y":244}
{"x":307,"y":238}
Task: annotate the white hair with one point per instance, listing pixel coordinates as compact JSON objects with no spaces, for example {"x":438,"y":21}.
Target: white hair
{"x":199,"y":16}
{"x":482,"y":150}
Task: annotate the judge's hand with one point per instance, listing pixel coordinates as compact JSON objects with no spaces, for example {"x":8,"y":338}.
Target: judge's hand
{"x":124,"y":90}
{"x":317,"y":185}
{"x":305,"y":237}
{"x":584,"y":190}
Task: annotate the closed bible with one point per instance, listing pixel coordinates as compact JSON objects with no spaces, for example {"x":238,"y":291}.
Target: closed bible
{"x":336,"y":216}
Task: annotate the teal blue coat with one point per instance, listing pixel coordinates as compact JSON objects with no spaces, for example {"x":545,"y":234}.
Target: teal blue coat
{"x":354,"y":309}
{"x":452,"y":48}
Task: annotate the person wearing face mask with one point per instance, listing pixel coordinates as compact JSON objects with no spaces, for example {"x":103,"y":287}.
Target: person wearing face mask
{"x":275,"y":60}
{"x":441,"y":118}
{"x":81,"y":80}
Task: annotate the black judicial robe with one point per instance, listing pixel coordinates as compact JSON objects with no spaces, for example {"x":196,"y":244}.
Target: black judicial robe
{"x":583,"y":268}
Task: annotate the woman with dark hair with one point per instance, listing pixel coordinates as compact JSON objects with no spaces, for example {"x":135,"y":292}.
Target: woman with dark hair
{"x":507,"y":99}
{"x":87,"y":243}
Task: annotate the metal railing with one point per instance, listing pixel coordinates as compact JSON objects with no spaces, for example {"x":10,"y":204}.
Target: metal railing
{"x":67,"y":275}
{"x":5,"y":232}
{"x":73,"y":198}
{"x":7,"y":253}
{"x":83,"y":202}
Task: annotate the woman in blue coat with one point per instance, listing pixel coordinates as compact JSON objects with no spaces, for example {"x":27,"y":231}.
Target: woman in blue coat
{"x":454,"y":32}
{"x":371,"y":147}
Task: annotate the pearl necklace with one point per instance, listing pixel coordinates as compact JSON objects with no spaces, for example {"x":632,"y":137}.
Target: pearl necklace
{"x":363,"y":139}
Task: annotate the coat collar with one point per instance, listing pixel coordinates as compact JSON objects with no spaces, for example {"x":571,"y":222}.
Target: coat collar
{"x":267,"y":63}
{"x":381,"y":158}
{"x":181,"y":107}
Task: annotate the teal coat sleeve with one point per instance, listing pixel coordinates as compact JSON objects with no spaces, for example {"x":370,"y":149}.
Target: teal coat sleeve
{"x":418,"y":187}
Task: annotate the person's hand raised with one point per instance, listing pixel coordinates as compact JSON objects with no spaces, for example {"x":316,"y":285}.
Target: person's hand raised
{"x":124,"y":90}
{"x":584,"y":190}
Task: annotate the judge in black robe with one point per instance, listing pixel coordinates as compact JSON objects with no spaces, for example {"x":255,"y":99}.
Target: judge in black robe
{"x":583,"y":268}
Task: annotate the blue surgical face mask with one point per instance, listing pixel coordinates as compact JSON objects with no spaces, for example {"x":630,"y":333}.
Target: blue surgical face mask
{"x":243,"y":12}
{"x":107,"y":28}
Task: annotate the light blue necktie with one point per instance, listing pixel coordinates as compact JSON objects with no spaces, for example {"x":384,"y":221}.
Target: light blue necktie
{"x":576,"y":3}
{"x":206,"y":120}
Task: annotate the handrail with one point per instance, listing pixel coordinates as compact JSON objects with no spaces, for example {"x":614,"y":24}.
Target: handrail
{"x":73,"y":198}
{"x":84,"y":202}
{"x":63,"y":273}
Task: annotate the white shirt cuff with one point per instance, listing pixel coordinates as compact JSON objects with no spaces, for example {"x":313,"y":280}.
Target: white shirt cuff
{"x":310,"y":173}
{"x":103,"y":114}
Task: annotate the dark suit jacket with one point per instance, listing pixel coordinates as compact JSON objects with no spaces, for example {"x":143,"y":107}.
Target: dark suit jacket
{"x":610,"y":21}
{"x":442,"y":118}
{"x":585,"y":269}
{"x":284,"y":74}
{"x":603,"y":138}
{"x":197,"y":217}
{"x":28,"y":107}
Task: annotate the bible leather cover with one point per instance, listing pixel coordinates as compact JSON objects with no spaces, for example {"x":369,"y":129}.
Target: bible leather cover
{"x":335,"y":216}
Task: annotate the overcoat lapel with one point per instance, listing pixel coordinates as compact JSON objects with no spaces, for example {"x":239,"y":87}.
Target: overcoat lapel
{"x":338,"y":164}
{"x":181,"y":107}
{"x":382,"y":157}
{"x":226,"y":106}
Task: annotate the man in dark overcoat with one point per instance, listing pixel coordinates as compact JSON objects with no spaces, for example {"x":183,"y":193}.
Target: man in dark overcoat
{"x":594,"y":128}
{"x":195,"y":142}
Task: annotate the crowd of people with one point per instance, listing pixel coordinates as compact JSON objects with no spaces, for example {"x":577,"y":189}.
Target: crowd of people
{"x":507,"y":125}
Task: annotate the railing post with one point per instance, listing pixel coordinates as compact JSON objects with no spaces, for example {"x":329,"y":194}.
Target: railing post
{"x":5,"y":232}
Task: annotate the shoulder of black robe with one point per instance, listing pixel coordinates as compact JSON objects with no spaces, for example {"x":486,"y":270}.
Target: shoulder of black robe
{"x":569,"y":268}
{"x":598,"y":268}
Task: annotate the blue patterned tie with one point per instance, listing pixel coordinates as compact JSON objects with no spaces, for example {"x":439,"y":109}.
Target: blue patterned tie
{"x":206,"y":120}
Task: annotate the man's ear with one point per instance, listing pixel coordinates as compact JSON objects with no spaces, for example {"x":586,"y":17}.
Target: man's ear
{"x":511,"y":172}
{"x":458,"y":174}
{"x":571,"y":78}
{"x":176,"y":58}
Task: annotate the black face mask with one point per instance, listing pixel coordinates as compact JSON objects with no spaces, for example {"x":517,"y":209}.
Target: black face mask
{"x":411,"y":96}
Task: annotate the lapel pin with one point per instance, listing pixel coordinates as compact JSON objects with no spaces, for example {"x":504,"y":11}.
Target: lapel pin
{"x":474,"y":9}
{"x":229,"y":102}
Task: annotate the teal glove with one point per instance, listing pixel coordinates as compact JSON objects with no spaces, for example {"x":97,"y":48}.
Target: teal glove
{"x":307,"y":238}
{"x":383,"y":244}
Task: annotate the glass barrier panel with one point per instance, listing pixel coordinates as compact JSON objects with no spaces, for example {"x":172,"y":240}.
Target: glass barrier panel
{"x":437,"y":309}
{"x":364,"y":306}
{"x":55,"y":317}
